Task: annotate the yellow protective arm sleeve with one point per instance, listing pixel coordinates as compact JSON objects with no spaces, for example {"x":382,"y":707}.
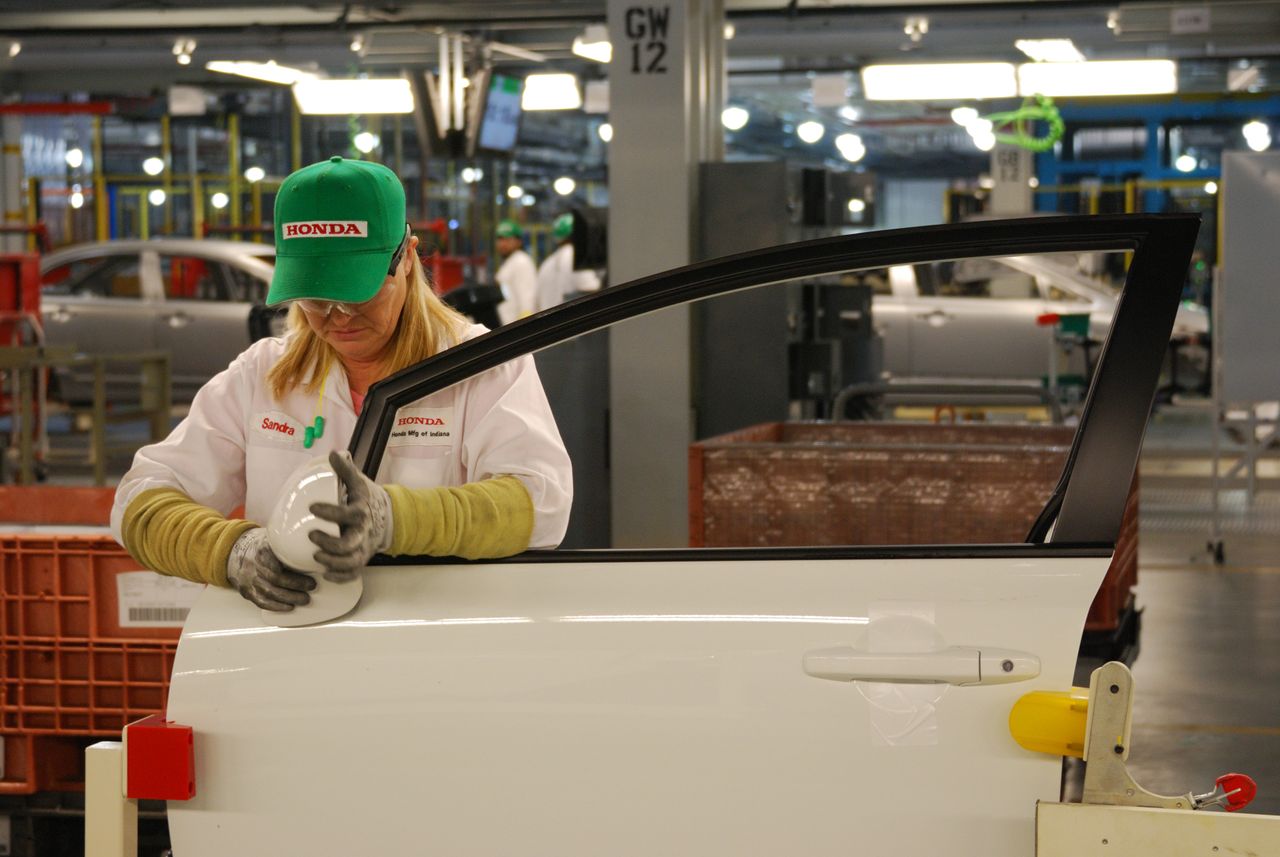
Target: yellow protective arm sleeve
{"x":168,"y":532}
{"x":480,"y":520}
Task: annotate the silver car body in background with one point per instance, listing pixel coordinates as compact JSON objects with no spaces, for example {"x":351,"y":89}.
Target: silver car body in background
{"x":993,"y":333}
{"x":194,"y":299}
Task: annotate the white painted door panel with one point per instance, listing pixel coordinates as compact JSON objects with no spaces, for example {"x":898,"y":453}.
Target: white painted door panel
{"x":591,"y":708}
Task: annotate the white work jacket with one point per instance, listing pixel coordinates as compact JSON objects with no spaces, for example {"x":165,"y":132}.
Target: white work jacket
{"x":238,"y":445}
{"x":518,"y":278}
{"x":557,"y":281}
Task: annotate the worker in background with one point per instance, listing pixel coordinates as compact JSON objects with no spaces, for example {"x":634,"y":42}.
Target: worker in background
{"x":557,"y":281}
{"x":517,"y":275}
{"x":490,"y":479}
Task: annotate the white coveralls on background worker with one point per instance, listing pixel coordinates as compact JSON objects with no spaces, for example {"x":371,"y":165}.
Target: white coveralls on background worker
{"x":488,"y":477}
{"x":557,"y":281}
{"x":517,"y":275}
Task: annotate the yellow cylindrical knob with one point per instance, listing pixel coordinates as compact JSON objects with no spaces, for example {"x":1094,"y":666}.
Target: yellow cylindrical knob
{"x":1051,"y":721}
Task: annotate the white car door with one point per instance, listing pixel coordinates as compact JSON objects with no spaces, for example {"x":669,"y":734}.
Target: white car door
{"x":818,"y":701}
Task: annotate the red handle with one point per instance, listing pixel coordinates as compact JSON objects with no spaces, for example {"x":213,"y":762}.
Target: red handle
{"x":1240,"y":789}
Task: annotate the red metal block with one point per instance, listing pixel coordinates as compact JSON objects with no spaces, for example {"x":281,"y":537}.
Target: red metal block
{"x":159,"y":760}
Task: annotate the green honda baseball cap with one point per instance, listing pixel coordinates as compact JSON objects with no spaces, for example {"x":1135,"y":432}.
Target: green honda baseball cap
{"x":509,"y":229}
{"x":562,"y":228}
{"x":337,"y":223}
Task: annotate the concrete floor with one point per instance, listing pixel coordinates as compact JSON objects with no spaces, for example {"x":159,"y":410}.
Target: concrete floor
{"x":1207,"y":682}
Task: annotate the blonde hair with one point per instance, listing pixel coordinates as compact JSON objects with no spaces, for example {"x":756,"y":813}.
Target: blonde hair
{"x":426,"y":327}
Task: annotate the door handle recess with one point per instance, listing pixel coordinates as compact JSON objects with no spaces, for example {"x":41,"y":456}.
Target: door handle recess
{"x":177,"y":319}
{"x":959,"y":665}
{"x":935,"y":317}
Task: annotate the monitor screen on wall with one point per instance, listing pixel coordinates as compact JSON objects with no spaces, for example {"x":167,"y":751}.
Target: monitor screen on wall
{"x":500,"y":123}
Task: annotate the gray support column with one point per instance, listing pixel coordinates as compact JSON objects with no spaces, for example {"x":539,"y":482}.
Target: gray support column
{"x":659,"y":81}
{"x":11,"y":180}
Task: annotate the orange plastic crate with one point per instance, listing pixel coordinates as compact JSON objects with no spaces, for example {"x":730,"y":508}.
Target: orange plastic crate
{"x":42,"y":763}
{"x":69,"y":666}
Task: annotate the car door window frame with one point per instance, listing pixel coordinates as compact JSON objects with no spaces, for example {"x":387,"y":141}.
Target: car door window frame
{"x":1084,"y":512}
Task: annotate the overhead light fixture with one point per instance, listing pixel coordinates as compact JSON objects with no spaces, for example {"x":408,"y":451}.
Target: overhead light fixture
{"x":471,"y":175}
{"x":157,"y":196}
{"x":366,"y":142}
{"x":980,"y":127}
{"x":1257,"y":135}
{"x":857,"y":206}
{"x":74,"y":157}
{"x":849,"y":113}
{"x":735,"y":118}
{"x":593,"y":44}
{"x":564,"y":185}
{"x":527,"y":200}
{"x":1050,"y":50}
{"x":1185,"y":163}
{"x":254,"y":175}
{"x":77,"y":199}
{"x":970,"y":81}
{"x":515,"y":192}
{"x":810,"y":131}
{"x":15,"y":48}
{"x":1033,"y":182}
{"x":984,"y":140}
{"x":939,"y":81}
{"x":605,"y":131}
{"x":916,"y":28}
{"x":219,"y":200}
{"x":729,"y":30}
{"x":1099,"y":78}
{"x":555,"y":91}
{"x":357,"y":43}
{"x":268,"y":71}
{"x":183,"y":49}
{"x":153,"y":166}
{"x":851,"y":147}
{"x":347,"y":97}
{"x":964,"y":116}
{"x":1211,"y":188}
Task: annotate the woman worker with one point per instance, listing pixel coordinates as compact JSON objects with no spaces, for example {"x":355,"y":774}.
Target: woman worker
{"x":488,"y":477}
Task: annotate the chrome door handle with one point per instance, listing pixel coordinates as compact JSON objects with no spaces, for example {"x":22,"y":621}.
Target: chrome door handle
{"x":177,"y":319}
{"x":958,"y":665}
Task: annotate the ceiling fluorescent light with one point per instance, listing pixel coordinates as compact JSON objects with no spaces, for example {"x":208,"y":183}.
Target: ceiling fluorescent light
{"x":939,"y":81}
{"x":1050,"y":50}
{"x":1109,"y":77}
{"x":267,"y":71}
{"x":551,"y":92}
{"x":593,"y":44}
{"x":346,"y":97}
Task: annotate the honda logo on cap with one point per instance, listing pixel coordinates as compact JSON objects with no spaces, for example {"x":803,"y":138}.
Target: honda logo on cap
{"x":327,"y":229}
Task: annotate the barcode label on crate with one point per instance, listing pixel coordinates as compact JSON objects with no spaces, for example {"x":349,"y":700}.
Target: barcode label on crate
{"x":150,"y":600}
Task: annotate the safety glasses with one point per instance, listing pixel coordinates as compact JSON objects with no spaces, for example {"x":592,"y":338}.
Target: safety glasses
{"x":322,"y":308}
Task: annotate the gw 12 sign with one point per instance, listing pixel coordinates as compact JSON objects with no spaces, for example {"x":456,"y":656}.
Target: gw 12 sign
{"x":647,"y":30}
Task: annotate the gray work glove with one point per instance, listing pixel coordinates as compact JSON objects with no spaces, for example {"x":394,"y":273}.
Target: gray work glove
{"x":363,"y":519}
{"x":255,"y":570}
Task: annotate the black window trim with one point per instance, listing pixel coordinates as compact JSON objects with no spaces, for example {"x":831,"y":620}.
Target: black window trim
{"x":1086,"y":507}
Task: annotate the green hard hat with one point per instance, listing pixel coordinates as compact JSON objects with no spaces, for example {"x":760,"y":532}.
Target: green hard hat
{"x":562,"y":228}
{"x":509,"y":229}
